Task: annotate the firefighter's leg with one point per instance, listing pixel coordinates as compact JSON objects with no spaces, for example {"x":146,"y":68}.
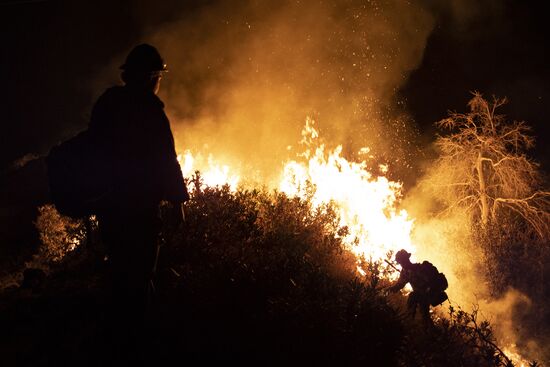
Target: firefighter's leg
{"x":113,"y":229}
{"x":134,"y":264}
{"x":144,"y":255}
{"x":412,"y":301}
{"x":424,"y":308}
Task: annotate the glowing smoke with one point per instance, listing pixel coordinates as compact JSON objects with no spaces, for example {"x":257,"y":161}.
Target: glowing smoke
{"x":243,"y":78}
{"x":245,"y":74}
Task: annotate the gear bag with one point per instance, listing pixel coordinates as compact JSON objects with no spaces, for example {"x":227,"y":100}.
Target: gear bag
{"x":438,"y":298}
{"x":77,"y":176}
{"x":435,"y":279}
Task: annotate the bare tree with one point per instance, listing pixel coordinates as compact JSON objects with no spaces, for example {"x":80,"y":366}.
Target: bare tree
{"x":483,"y":168}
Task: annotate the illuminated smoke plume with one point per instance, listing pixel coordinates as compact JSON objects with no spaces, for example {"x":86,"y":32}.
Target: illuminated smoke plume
{"x":244,"y":76}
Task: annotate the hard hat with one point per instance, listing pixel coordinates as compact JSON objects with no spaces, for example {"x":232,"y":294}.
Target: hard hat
{"x":144,"y":58}
{"x":401,"y":255}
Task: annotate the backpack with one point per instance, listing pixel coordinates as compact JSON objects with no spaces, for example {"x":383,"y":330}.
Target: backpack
{"x":77,"y":176}
{"x":433,"y":277}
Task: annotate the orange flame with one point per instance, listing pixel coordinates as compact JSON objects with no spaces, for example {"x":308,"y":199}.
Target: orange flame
{"x":514,"y":356}
{"x":213,"y":172}
{"x":367,"y":205}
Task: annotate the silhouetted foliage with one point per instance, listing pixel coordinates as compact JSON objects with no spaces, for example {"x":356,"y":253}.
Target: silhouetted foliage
{"x":483,"y":173}
{"x":253,"y":278}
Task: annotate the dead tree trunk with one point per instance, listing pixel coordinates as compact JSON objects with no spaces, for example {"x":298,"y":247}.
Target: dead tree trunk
{"x":483,"y":197}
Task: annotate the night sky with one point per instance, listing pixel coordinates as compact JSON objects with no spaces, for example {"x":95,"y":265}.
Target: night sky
{"x":53,"y":51}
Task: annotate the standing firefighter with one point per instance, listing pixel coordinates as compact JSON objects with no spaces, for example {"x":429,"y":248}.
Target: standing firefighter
{"x":133,"y":140}
{"x":427,"y":282}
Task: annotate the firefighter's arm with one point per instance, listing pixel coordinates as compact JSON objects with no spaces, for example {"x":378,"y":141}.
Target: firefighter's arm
{"x":178,"y":213}
{"x":173,"y":213}
{"x":399,"y":284}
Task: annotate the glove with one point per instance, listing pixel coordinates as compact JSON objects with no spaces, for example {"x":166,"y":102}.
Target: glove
{"x":177,"y":214}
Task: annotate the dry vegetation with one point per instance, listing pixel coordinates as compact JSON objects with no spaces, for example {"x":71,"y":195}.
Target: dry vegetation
{"x":254,"y":277}
{"x":483,"y":168}
{"x":484,"y":174}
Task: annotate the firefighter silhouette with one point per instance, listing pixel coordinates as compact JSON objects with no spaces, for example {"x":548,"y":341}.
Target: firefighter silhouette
{"x":133,"y":138}
{"x":427,"y":282}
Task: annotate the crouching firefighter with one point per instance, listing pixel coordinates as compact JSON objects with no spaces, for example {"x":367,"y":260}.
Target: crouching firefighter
{"x":427,"y":282}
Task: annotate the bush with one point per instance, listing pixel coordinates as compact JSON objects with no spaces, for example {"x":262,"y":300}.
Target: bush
{"x":267,"y":280}
{"x":260,"y":278}
{"x":59,"y":236}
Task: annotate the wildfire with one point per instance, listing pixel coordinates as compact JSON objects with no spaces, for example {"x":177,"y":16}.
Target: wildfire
{"x":213,"y":173}
{"x":366,"y":204}
{"x":515,"y":357}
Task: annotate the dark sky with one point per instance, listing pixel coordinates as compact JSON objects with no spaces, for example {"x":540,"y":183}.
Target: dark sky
{"x":51,"y":52}
{"x":505,"y":56}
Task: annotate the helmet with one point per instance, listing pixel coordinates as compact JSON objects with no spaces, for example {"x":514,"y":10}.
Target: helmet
{"x":402,"y":256}
{"x":144,"y":58}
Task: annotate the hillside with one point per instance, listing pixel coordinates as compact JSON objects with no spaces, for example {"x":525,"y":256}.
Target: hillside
{"x":252,"y":278}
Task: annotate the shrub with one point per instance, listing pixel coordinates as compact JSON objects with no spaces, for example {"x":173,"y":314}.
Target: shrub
{"x":59,"y":236}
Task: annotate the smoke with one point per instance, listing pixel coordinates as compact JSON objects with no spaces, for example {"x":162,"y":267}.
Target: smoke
{"x":510,"y":313}
{"x":448,"y":243}
{"x":245,"y":75}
